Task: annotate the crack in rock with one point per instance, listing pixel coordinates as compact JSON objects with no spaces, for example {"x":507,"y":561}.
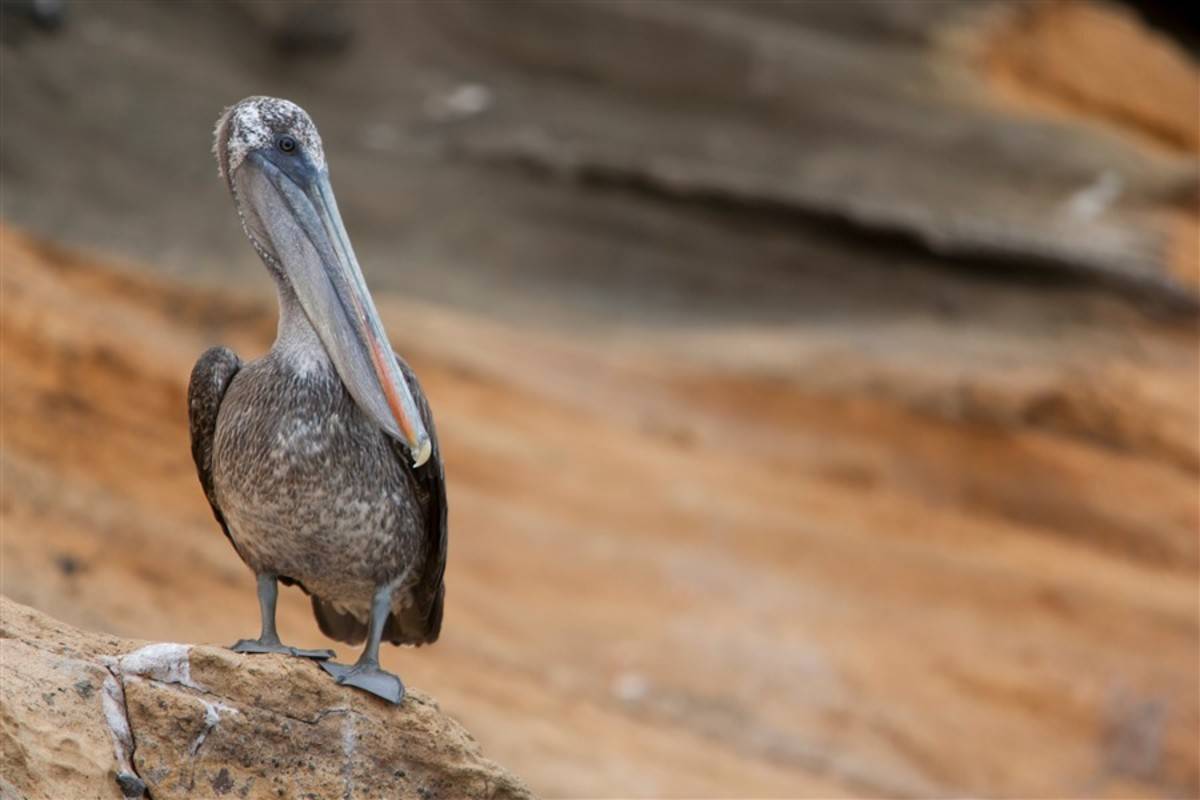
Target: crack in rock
{"x":349,"y":743}
{"x":164,"y":662}
{"x":116,"y":715}
{"x":212,"y":716}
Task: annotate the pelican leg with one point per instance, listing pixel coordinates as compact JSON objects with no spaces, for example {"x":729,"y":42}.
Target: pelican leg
{"x":365,"y":673}
{"x":268,"y":640}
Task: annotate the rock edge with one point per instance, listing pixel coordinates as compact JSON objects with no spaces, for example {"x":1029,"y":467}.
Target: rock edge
{"x":93,"y":716}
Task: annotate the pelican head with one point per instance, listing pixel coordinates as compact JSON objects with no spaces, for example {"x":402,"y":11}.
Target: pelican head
{"x":270,"y":155}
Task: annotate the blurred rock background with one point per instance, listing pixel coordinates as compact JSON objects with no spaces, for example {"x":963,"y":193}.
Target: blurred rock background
{"x":818,"y":381}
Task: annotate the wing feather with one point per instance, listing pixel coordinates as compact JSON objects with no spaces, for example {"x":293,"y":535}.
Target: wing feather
{"x":424,"y":623}
{"x":206,"y":389}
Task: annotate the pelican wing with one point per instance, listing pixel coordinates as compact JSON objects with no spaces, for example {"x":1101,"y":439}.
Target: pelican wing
{"x":210,"y":379}
{"x":424,"y":622}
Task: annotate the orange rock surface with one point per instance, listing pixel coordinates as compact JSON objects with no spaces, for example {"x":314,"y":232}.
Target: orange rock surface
{"x":751,"y":561}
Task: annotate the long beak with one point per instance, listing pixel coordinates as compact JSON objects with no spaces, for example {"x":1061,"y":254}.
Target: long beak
{"x":315,"y":252}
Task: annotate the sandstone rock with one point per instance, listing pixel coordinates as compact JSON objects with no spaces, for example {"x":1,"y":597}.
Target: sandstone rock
{"x":91,"y":716}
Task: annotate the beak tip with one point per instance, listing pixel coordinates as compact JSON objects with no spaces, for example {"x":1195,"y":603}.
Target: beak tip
{"x":423,"y":452}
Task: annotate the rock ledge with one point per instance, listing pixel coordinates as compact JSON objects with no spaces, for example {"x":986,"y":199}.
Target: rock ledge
{"x":92,"y":716}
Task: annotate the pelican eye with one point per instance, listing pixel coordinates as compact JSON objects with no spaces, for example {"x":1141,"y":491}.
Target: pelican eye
{"x":286,"y":144}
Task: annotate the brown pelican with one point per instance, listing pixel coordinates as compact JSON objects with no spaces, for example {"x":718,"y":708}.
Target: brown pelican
{"x":319,"y":459}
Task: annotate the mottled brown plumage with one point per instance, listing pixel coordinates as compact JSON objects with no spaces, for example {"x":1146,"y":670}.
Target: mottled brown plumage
{"x":288,"y":487}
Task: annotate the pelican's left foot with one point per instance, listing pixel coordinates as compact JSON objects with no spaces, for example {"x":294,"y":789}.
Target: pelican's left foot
{"x":316,"y":655}
{"x":268,"y":646}
{"x":268,"y":640}
{"x":368,"y":677}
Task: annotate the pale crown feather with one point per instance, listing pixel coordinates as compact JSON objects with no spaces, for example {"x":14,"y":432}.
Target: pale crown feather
{"x":254,"y":123}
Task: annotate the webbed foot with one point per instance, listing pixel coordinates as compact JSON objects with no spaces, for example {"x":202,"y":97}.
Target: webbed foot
{"x":316,"y":655}
{"x":369,"y":678}
{"x":259,"y":646}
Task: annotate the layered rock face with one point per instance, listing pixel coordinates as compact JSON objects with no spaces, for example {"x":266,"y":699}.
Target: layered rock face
{"x":93,"y":716}
{"x":817,"y":381}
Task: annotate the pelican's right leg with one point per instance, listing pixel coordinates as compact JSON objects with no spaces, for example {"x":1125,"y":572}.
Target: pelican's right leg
{"x":268,"y":640}
{"x":365,"y":673}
